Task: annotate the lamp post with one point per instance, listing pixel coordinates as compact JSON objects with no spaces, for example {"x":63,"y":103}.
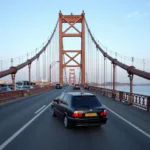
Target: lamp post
{"x":51,"y":65}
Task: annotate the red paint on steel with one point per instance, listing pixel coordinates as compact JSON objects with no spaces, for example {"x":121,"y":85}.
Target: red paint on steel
{"x":71,"y":20}
{"x":148,"y":103}
{"x":72,"y":76}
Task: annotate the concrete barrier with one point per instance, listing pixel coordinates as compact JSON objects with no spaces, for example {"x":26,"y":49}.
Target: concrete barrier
{"x":5,"y":96}
{"x":139,"y":100}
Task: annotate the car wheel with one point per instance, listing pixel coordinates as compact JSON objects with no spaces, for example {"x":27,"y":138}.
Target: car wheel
{"x":66,"y":122}
{"x":53,"y":112}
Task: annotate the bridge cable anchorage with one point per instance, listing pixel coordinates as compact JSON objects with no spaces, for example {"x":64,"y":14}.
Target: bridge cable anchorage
{"x":140,"y":73}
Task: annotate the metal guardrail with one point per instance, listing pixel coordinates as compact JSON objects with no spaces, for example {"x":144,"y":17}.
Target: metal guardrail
{"x":4,"y":96}
{"x":139,"y":100}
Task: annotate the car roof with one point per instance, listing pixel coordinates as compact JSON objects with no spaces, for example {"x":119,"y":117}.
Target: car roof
{"x":79,"y":94}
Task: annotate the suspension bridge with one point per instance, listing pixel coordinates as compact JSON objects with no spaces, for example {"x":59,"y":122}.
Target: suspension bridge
{"x":93,"y":65}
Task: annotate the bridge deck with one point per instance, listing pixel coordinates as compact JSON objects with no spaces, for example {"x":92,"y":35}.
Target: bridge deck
{"x":137,"y":116}
{"x":47,"y":133}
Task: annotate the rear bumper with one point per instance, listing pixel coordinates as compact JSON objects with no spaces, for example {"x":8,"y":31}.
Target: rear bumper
{"x":76,"y":87}
{"x":58,"y":87}
{"x":86,"y":87}
{"x":88,"y":121}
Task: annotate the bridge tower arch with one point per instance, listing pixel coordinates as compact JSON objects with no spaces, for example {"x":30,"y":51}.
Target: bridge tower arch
{"x":72,"y":20}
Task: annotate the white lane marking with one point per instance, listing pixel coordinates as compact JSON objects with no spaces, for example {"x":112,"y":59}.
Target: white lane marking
{"x":67,"y":89}
{"x":140,"y":107}
{"x":22,"y":129}
{"x":128,"y":122}
{"x":40,"y":109}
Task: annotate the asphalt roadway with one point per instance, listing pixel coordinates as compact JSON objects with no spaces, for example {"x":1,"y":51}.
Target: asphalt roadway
{"x":26,"y":124}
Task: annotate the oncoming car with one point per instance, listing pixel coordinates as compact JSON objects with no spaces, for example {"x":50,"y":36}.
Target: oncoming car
{"x":58,"y":86}
{"x":79,"y":109}
{"x":76,"y":86}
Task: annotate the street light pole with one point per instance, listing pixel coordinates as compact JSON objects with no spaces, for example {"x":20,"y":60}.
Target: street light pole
{"x":51,"y":65}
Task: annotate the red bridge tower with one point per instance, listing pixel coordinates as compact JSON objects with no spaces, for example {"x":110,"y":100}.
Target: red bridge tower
{"x":72,"y":20}
{"x":72,"y":76}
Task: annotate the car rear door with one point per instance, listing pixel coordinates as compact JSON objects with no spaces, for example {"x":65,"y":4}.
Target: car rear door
{"x":62,"y":105}
{"x":65,"y":105}
{"x":57,"y":106}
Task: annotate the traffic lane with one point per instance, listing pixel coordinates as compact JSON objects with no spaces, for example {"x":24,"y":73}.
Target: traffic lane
{"x":25,"y":102}
{"x":139,"y":117}
{"x":48,"y":132}
{"x":9,"y":110}
{"x":12,"y":121}
{"x":74,"y":90}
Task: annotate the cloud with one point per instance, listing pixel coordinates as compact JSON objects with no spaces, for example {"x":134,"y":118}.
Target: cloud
{"x":133,"y":14}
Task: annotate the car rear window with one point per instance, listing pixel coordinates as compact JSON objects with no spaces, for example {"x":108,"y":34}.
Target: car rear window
{"x":85,"y":101}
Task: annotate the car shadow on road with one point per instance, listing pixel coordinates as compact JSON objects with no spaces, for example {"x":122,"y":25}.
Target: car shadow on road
{"x":59,"y":124}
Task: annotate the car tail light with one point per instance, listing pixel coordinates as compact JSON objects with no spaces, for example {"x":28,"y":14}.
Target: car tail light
{"x":103,"y":113}
{"x":77,"y":114}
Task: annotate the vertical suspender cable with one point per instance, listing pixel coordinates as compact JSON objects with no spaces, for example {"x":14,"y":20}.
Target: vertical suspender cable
{"x":88,"y":73}
{"x":111,"y":76}
{"x":52,"y":57}
{"x":116,"y":73}
{"x":47,"y":64}
{"x":106,"y":68}
{"x":39,"y":68}
{"x":104,"y":72}
{"x":98,"y":66}
{"x":101,"y":69}
{"x":95,"y":58}
{"x":50,"y":54}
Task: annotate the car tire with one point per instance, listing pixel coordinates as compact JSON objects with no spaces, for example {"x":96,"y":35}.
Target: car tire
{"x":53,"y":112}
{"x":66,"y":122}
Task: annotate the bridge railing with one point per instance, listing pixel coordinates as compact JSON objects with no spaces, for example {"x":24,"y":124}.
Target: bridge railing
{"x":5,"y":96}
{"x":139,"y":100}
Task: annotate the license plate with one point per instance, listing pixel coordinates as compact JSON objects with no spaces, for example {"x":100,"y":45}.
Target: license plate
{"x":90,"y":114}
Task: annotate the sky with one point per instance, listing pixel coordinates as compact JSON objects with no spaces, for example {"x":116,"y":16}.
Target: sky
{"x":121,"y":25}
